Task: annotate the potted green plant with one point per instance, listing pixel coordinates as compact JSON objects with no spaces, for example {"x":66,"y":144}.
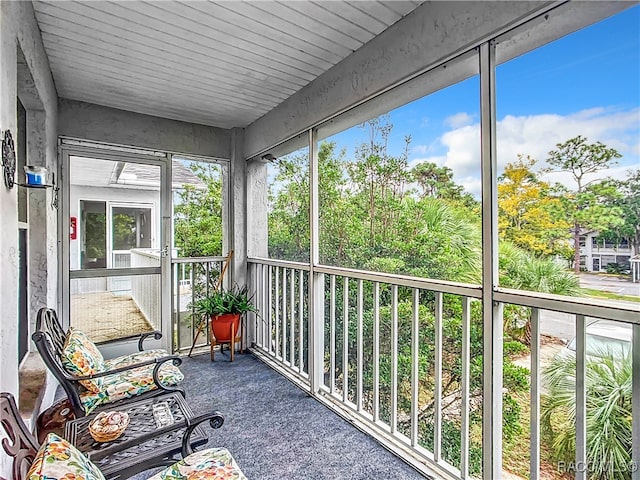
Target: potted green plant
{"x":225,"y":308}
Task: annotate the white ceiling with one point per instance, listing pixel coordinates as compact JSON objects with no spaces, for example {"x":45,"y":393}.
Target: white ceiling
{"x":222,"y":63}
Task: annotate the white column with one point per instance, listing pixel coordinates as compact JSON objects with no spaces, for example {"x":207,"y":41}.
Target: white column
{"x":492,"y":312}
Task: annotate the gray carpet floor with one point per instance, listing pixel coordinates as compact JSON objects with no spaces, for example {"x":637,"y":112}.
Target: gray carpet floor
{"x":276,"y":431}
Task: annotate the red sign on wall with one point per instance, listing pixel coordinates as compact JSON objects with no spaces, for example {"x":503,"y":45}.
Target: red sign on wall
{"x":73,"y":228}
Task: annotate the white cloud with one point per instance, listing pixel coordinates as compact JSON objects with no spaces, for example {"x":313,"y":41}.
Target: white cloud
{"x":473,"y":185}
{"x":458,"y":120}
{"x":565,"y":178}
{"x":437,"y":160}
{"x":536,"y":135}
{"x":420,"y":149}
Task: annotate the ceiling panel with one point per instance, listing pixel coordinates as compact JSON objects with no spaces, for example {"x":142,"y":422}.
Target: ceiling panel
{"x":223,"y":63}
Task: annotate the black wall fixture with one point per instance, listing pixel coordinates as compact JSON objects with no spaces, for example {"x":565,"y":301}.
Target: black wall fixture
{"x":8,"y":159}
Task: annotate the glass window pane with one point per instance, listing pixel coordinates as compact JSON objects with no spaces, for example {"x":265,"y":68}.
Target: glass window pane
{"x":288,"y":206}
{"x":567,"y":146}
{"x":400,"y":192}
{"x":197,"y":208}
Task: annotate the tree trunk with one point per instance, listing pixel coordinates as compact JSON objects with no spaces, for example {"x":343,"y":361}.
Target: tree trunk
{"x":576,"y":246}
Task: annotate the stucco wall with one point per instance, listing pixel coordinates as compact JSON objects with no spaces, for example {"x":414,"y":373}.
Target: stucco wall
{"x":119,"y":127}
{"x":18,"y":27}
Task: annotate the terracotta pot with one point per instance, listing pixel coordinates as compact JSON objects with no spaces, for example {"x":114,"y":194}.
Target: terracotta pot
{"x":221,"y":326}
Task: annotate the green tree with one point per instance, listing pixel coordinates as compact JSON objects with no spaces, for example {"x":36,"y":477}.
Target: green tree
{"x":439,"y":240}
{"x":379,"y":182}
{"x":521,"y":269}
{"x":608,"y":383}
{"x":528,"y":210}
{"x":124,"y":231}
{"x":437,"y":182}
{"x":370,"y":217}
{"x":584,"y":206}
{"x":198,"y":213}
{"x":289,"y":208}
{"x":628,"y":201}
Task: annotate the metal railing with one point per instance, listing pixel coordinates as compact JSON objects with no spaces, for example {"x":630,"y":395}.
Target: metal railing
{"x":378,"y":331}
{"x":192,"y":278}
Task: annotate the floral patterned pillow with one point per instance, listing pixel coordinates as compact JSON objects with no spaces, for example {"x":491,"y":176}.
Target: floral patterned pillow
{"x":80,"y":356}
{"x":58,"y":459}
{"x":213,"y":463}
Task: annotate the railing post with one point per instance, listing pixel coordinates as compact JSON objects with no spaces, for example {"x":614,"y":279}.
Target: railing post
{"x":635,"y":403}
{"x":534,"y":447}
{"x":581,"y":399}
{"x":316,"y":281}
{"x":491,"y":311}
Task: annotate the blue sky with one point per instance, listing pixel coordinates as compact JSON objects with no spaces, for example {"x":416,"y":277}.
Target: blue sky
{"x":586,"y":83}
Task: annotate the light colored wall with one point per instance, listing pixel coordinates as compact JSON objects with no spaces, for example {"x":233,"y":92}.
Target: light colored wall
{"x":236,"y":223}
{"x":110,"y":125}
{"x":257,"y":208}
{"x":120,"y":195}
{"x":18,"y":27}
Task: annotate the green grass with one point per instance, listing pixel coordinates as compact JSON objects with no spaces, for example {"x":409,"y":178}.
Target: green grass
{"x":610,"y":295}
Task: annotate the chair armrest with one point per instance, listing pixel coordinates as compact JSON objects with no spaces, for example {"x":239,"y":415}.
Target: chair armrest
{"x":140,"y":336}
{"x":157,"y":361}
{"x":215,"y":420}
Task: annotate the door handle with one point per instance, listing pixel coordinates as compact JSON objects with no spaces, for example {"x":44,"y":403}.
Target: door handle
{"x":165,"y":251}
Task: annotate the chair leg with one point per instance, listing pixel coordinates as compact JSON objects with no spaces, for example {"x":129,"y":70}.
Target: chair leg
{"x":233,"y":341}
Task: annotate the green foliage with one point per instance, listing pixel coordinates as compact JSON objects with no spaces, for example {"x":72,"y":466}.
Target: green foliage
{"x":451,"y":440}
{"x":514,"y":349}
{"x":522,"y":270}
{"x":608,"y":384}
{"x":529,"y":215}
{"x":370,"y":215}
{"x":437,"y":182}
{"x":516,"y":379}
{"x":378,"y":213}
{"x":124,"y":231}
{"x":511,"y":421}
{"x":198,"y":213}
{"x":589,"y":206}
{"x":289,"y":208}
{"x":628,"y":201}
{"x":96,"y":235}
{"x":615,"y":268}
{"x":221,"y":302}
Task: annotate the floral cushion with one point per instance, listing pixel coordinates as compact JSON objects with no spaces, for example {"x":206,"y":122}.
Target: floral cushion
{"x":80,"y":356}
{"x":130,"y":384}
{"x":211,"y":464}
{"x":58,"y":459}
{"x":126,"y":360}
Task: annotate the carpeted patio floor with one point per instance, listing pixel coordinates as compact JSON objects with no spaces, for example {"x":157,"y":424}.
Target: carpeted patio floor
{"x":276,"y":431}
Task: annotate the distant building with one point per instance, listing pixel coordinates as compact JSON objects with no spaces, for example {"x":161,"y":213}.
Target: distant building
{"x":597,"y":253}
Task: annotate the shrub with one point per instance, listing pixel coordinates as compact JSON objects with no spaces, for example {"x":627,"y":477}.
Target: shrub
{"x":608,"y":382}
